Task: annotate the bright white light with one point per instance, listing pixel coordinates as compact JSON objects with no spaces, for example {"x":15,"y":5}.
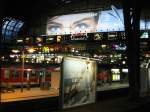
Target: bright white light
{"x":15,"y":51}
{"x":123,"y":62}
{"x":31,"y":50}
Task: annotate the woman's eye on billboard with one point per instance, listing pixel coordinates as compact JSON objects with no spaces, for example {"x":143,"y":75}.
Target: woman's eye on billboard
{"x":54,"y":29}
{"x":73,"y":23}
{"x":81,"y":27}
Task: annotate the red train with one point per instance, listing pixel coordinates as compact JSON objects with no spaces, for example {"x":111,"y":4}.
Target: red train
{"x":33,"y":76}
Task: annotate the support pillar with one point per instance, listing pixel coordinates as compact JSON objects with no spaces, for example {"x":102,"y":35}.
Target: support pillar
{"x":131,"y":12}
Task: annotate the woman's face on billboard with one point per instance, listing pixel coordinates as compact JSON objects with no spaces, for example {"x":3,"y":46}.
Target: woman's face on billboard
{"x":74,"y":23}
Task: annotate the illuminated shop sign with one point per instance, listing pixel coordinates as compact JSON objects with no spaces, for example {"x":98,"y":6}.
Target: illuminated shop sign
{"x":119,"y":46}
{"x":79,"y":36}
{"x":39,"y":40}
{"x":28,"y":40}
{"x":98,"y":36}
{"x":50,"y":39}
{"x":144,"y":35}
{"x":19,"y":40}
{"x":112,"y":35}
{"x":125,"y":70}
{"x":59,"y":39}
{"x":45,"y":49}
{"x":54,"y":39}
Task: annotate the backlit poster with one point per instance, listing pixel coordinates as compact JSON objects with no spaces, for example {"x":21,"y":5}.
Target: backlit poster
{"x":89,"y":22}
{"x":72,"y":23}
{"x":78,"y":82}
{"x":98,"y":21}
{"x":111,"y":20}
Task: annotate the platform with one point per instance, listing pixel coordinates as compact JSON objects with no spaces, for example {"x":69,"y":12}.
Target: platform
{"x":33,"y":93}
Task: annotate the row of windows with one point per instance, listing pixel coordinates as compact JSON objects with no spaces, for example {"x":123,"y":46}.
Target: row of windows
{"x":16,"y":74}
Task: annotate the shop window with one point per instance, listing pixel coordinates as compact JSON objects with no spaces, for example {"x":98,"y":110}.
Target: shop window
{"x":48,"y":74}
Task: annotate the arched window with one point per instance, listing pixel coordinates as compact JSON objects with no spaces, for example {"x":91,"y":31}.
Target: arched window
{"x":10,"y":28}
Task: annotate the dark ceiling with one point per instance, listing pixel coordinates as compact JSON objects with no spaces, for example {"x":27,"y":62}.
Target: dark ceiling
{"x":29,"y":8}
{"x":26,"y":9}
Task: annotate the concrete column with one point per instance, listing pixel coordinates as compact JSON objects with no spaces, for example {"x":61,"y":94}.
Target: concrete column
{"x":131,"y":12}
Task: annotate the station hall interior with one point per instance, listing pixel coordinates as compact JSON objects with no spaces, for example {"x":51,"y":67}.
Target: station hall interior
{"x":66,"y":53}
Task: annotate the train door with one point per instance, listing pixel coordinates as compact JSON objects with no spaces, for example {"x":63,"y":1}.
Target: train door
{"x":27,"y":76}
{"x":42,"y":78}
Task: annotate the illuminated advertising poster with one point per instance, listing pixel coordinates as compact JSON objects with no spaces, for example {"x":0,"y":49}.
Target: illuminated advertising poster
{"x":78,"y":82}
{"x":98,"y":21}
{"x":111,"y":20}
{"x":73,"y":23}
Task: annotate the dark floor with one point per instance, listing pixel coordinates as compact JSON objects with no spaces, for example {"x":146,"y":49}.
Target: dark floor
{"x":114,"y":105}
{"x":113,"y":101}
{"x":107,"y":101}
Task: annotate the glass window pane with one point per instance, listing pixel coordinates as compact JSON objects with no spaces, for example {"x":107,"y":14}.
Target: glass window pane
{"x":12,"y":23}
{"x":8,"y":27}
{"x":6,"y":22}
{"x":11,"y":28}
{"x":13,"y":34}
{"x":9,"y":33}
{"x":6,"y":32}
{"x":4,"y":26}
{"x":3,"y":31}
{"x":16,"y":29}
{"x":19,"y":25}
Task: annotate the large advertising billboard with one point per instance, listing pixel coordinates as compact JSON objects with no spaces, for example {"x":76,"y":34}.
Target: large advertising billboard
{"x":98,"y":21}
{"x":78,"y":82}
{"x":111,"y":20}
{"x":86,"y":22}
{"x":73,"y":23}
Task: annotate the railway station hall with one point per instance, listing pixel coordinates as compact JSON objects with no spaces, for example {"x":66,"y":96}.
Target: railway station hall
{"x":75,"y":56}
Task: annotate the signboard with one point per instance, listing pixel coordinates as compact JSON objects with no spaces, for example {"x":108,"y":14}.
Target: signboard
{"x":39,"y":40}
{"x":144,"y":35}
{"x":79,"y":36}
{"x":112,"y":36}
{"x":78,"y":82}
{"x":50,"y":39}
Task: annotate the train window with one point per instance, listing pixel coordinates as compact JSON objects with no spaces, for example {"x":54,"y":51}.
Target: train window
{"x":33,"y":73}
{"x":6,"y":76}
{"x":15,"y":74}
{"x":25,"y":74}
{"x":48,"y":74}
